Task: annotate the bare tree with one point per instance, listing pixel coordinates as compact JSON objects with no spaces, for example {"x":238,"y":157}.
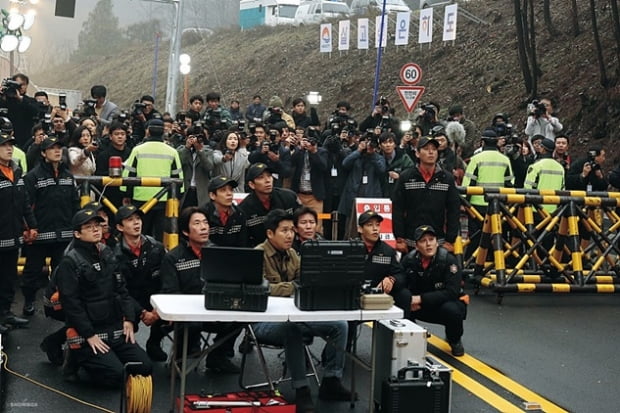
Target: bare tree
{"x":616,"y":20}
{"x":574,"y":15}
{"x":535,"y":70}
{"x":604,"y":81}
{"x":547,"y":16}
{"x":520,"y":25}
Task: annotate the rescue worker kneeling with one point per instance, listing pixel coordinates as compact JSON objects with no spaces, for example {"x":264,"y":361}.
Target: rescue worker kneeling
{"x":98,"y":310}
{"x":434,"y":279}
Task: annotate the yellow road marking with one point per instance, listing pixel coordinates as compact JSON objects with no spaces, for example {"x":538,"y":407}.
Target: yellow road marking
{"x":497,"y":377}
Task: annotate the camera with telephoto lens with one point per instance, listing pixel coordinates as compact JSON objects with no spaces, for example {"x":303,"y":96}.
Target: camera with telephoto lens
{"x":371,"y":139}
{"x":241,"y":125}
{"x":48,"y":126}
{"x":213,"y":119}
{"x":137,"y":108}
{"x":512,"y":149}
{"x":270,"y":141}
{"x":503,"y":129}
{"x":9,"y":88}
{"x":537,"y":109}
{"x":428,"y":112}
{"x":592,"y":160}
{"x":89,"y":107}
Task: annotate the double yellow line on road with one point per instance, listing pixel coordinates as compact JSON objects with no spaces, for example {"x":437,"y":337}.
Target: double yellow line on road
{"x":489,"y":396}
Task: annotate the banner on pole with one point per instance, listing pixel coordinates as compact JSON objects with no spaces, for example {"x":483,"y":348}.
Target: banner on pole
{"x":344,"y":34}
{"x":326,"y":38}
{"x":363,"y":34}
{"x":378,"y":31}
{"x":425,"y":34}
{"x":402,"y":28}
{"x":449,"y":22}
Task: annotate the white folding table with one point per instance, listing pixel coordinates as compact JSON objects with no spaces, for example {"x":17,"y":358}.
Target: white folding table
{"x":185,"y":308}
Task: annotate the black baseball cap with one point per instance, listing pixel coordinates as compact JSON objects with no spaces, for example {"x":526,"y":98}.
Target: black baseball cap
{"x":255,"y":170}
{"x":49,"y":142}
{"x":83,"y":216}
{"x":421,"y":230}
{"x":425,"y":140}
{"x":126,"y":211}
{"x":367,"y":216}
{"x":221,"y":181}
{"x":6,"y":137}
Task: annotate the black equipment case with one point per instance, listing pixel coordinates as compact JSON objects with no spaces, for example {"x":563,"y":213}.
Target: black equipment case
{"x":332,"y":263}
{"x":414,"y":390}
{"x":240,"y":297}
{"x":314,"y":298}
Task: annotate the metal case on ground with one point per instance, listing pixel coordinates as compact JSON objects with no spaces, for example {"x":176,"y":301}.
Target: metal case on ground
{"x":398,"y":343}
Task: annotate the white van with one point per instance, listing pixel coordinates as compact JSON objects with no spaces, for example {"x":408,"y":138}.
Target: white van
{"x":266,"y":12}
{"x":368,"y":6}
{"x":311,"y":12}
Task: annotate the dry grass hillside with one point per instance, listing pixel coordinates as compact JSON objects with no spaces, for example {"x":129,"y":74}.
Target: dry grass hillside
{"x":480,"y":71}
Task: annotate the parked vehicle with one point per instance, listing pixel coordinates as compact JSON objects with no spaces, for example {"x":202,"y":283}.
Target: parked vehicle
{"x":311,"y":12}
{"x":375,"y":6}
{"x":254,"y":13}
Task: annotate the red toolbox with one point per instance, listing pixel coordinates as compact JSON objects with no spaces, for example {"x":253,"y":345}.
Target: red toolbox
{"x":241,"y":402}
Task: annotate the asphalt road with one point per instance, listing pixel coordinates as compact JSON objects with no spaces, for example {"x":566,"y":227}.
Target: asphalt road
{"x":559,"y":348}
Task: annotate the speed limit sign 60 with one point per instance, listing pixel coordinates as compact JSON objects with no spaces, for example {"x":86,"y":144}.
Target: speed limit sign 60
{"x":410,"y":74}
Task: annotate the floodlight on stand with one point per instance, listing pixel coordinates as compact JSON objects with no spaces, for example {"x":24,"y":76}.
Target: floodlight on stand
{"x":184,"y":69}
{"x":29,"y":19}
{"x":24,"y":44}
{"x":405,"y":125}
{"x":15,"y":21}
{"x":9,"y":43}
{"x":184,"y":59}
{"x":314,"y":98}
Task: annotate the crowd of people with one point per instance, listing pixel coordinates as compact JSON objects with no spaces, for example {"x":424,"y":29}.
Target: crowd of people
{"x":293,"y":168}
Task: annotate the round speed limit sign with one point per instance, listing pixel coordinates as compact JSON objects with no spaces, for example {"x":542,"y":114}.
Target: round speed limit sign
{"x":410,"y":74}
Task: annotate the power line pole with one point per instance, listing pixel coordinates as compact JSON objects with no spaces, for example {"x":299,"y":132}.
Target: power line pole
{"x":173,"y":57}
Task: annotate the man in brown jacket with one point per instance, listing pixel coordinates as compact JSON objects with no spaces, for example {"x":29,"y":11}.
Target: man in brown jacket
{"x":281,"y":266}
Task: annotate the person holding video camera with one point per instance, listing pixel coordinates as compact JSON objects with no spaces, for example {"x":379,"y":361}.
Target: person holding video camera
{"x":22,"y":109}
{"x":275,"y":114}
{"x":540,"y":120}
{"x":382,"y":117}
{"x":216,"y":117}
{"x":428,"y":117}
{"x":142,"y":112}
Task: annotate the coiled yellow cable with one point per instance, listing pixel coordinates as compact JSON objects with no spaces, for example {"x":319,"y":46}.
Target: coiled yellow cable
{"x":139,"y":394}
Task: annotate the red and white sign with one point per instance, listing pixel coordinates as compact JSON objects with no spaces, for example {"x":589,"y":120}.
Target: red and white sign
{"x":410,"y":73}
{"x":410,"y":95}
{"x":383,"y":207}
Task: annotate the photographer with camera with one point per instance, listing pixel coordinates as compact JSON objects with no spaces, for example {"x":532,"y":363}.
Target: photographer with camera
{"x":382,"y":117}
{"x":365,"y":168}
{"x":142,"y":112}
{"x":275,"y":113}
{"x":428,"y":117}
{"x":586,"y":174}
{"x":216,"y":117}
{"x":100,"y":106}
{"x":270,"y":151}
{"x":197,"y":162}
{"x":22,"y":109}
{"x":540,"y":120}
{"x":521,"y":157}
{"x":309,"y":182}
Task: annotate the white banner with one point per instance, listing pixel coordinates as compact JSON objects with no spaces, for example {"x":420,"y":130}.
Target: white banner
{"x":344,"y":34}
{"x":326,"y":38}
{"x":402,"y":28}
{"x":425,"y":35}
{"x":378,"y":31}
{"x":449,"y":22}
{"x":363,"y":41}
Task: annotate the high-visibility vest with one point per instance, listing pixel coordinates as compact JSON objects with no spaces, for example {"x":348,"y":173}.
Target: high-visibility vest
{"x":490,"y":169}
{"x":546,"y":173}
{"x":152,"y":159}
